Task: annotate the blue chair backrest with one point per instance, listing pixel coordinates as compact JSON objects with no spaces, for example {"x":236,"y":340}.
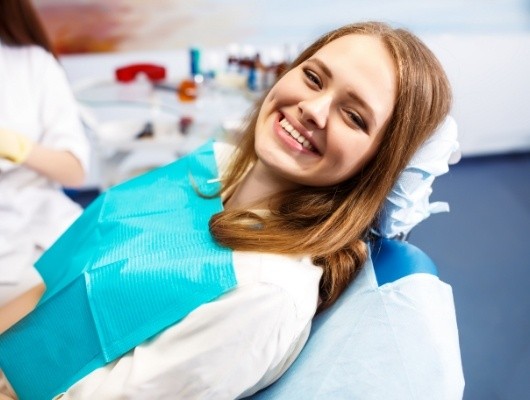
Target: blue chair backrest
{"x":395,"y":259}
{"x":392,"y":260}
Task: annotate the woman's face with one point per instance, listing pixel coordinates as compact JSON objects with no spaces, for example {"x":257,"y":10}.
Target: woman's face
{"x":324,"y":119}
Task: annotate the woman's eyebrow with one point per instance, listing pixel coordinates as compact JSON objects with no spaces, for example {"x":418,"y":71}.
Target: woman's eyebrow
{"x":322,"y":66}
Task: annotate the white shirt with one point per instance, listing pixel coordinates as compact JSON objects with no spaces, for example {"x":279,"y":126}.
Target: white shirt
{"x":35,"y":101}
{"x":225,"y":349}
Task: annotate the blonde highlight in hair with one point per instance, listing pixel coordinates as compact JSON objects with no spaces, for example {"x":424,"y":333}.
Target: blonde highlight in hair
{"x":331,"y":223}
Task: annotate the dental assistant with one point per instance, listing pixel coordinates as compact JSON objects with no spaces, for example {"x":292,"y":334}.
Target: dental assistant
{"x":43,"y":147}
{"x":290,"y":225}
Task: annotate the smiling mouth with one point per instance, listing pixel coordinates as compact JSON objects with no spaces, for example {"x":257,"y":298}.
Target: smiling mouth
{"x":291,"y":131}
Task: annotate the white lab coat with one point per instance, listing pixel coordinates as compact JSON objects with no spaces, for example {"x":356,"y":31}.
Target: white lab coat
{"x":35,"y":100}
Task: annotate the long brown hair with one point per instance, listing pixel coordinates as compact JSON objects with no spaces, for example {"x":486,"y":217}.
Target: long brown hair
{"x":331,"y":224}
{"x":20,"y":25}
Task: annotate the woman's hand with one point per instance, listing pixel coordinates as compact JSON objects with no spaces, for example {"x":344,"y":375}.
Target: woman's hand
{"x":6,"y":391}
{"x":58,"y":165}
{"x":14,"y":146}
{"x":19,"y":307}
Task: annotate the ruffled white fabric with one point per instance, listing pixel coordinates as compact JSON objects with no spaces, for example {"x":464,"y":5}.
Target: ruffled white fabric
{"x":408,"y":202}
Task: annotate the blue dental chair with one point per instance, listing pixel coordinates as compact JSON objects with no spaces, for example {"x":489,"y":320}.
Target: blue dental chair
{"x":330,"y":365}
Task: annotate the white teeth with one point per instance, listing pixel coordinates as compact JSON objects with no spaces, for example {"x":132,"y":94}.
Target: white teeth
{"x":287,"y":127}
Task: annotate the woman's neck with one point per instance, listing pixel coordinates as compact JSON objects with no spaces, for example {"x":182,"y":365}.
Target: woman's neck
{"x":256,"y":188}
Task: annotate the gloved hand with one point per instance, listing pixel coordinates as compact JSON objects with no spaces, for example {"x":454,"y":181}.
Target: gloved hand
{"x":14,"y":146}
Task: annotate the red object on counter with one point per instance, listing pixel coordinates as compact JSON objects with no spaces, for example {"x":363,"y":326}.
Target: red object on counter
{"x":128,"y":73}
{"x":185,"y":124}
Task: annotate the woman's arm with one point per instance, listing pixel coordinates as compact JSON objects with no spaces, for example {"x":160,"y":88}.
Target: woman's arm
{"x":19,"y":307}
{"x":225,"y":349}
{"x":59,"y":165}
{"x":62,"y":151}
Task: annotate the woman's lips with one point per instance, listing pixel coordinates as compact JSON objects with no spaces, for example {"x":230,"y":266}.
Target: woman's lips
{"x":301,"y":142}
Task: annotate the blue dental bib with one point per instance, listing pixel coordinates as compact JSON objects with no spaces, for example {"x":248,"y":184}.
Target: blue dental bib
{"x":137,"y":261}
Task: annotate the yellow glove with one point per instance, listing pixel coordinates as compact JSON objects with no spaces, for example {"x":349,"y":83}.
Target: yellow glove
{"x":14,"y":146}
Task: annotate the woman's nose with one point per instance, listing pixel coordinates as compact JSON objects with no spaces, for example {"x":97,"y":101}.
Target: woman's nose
{"x":316,"y":110}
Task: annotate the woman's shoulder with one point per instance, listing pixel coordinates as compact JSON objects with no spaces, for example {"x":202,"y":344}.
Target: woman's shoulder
{"x":30,"y":63}
{"x":32,"y":53}
{"x":296,"y":277}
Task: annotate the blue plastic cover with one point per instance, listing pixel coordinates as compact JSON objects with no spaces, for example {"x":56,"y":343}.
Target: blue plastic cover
{"x":394,"y":259}
{"x":138,"y":260}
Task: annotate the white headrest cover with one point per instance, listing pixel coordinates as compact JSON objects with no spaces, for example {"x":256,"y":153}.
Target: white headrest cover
{"x":408,"y":202}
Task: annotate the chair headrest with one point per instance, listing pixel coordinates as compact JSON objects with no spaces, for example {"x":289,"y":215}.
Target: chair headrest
{"x":408,"y":202}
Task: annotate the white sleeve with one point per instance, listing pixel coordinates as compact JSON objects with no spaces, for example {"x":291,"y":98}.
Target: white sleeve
{"x":61,"y":124}
{"x":225,"y":349}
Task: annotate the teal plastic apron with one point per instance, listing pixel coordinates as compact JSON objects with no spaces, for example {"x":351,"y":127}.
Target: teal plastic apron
{"x":137,"y":261}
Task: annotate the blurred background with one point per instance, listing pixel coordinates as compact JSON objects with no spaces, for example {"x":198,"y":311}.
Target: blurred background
{"x":480,"y":247}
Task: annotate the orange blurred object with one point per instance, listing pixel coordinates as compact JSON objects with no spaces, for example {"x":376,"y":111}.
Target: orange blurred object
{"x":187,"y":90}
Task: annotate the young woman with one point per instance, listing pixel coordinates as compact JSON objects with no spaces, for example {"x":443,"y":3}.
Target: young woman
{"x":42,"y":146}
{"x":290,"y":223}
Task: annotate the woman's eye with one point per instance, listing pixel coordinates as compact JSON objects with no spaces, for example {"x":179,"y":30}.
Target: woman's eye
{"x":313,"y":78}
{"x":356,"y":119}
